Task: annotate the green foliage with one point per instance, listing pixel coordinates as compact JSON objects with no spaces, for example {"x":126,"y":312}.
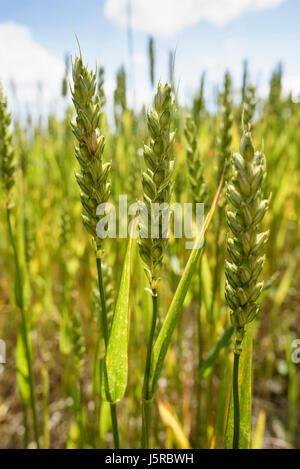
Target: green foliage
{"x":117,"y":349}
{"x":165,"y":335}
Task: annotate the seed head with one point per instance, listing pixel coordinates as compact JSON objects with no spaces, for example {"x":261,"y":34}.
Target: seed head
{"x":157,"y":181}
{"x":93,"y":175}
{"x":7,"y":168}
{"x":247,"y":147}
{"x":194,"y":163}
{"x":225,"y":133}
{"x":246,"y":246}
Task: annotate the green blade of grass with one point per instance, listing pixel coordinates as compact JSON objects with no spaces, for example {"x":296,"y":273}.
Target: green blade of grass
{"x":22,"y":371}
{"x":208,"y":365}
{"x":117,"y":348}
{"x":206,"y":278}
{"x":170,"y":419}
{"x":245,"y":396}
{"x":163,"y":340}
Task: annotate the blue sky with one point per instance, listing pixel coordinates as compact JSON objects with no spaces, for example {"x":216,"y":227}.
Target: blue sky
{"x":207,"y":34}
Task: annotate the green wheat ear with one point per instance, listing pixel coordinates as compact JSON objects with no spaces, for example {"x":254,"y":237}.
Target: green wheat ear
{"x":225,"y":132}
{"x":7,"y":168}
{"x":64,"y":86}
{"x":93,"y":177}
{"x":101,"y":92}
{"x":78,"y":345}
{"x":249,"y":106}
{"x":246,"y":246}
{"x":157,"y":180}
{"x":194,"y":163}
{"x":198,"y":109}
{"x":151,"y":60}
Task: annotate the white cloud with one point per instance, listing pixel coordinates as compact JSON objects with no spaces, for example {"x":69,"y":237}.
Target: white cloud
{"x":291,"y":83}
{"x":27,"y":64}
{"x":168,"y":17}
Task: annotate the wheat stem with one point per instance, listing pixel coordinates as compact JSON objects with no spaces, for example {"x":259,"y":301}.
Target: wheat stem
{"x":103,"y":314}
{"x":24,"y":331}
{"x":147,"y":401}
{"x":114,"y":422}
{"x":236,"y":404}
{"x":113,"y":409}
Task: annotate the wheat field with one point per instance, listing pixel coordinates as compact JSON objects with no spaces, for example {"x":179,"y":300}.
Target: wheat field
{"x":143,"y":342}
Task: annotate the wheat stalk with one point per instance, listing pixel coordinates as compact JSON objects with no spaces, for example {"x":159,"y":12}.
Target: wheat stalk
{"x":93,"y":178}
{"x":157,"y":188}
{"x":249,"y":106}
{"x":199,"y":103}
{"x":225,"y":133}
{"x":224,"y":141}
{"x":194,"y":163}
{"x":8,"y":181}
{"x":151,"y":60}
{"x":245,"y":247}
